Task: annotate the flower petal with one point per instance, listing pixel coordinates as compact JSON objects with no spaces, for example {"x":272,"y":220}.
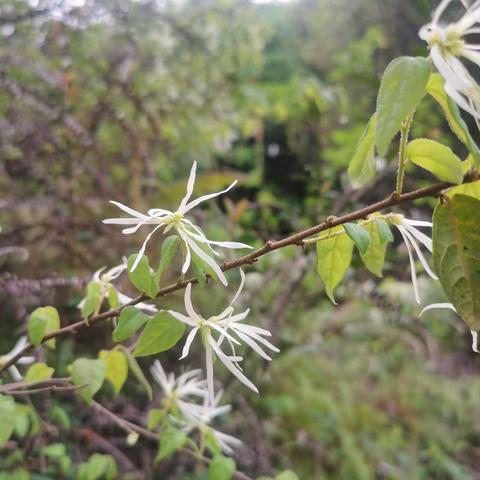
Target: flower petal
{"x":203,"y":198}
{"x":142,"y":249}
{"x":209,"y":368}
{"x":422,"y":259}
{"x":128,"y":210}
{"x":190,"y":184}
{"x":235,"y":297}
{"x":188,"y":342}
{"x":474,"y":341}
{"x":187,"y":299}
{"x":206,"y":258}
{"x":183,"y":318}
{"x":188,"y":259}
{"x":230,"y":366}
{"x":448,"y":306}
{"x":412,"y":264}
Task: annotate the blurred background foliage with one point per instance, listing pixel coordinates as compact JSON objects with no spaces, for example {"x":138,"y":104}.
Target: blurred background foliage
{"x":114,"y":99}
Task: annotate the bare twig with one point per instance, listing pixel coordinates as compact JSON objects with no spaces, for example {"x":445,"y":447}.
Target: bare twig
{"x":295,"y":239}
{"x":48,"y":388}
{"x":49,"y":382}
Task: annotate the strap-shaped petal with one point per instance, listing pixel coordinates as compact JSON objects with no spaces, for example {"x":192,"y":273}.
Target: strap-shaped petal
{"x":130,"y":211}
{"x":433,"y":306}
{"x":231,"y":366}
{"x":422,"y":259}
{"x":205,"y":257}
{"x":188,"y":342}
{"x":144,"y":246}
{"x":412,"y":264}
{"x":204,"y":198}
{"x":183,"y":318}
{"x":187,"y":299}
{"x":190,"y":185}
{"x":209,"y":368}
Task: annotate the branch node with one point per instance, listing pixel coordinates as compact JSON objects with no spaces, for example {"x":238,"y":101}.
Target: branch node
{"x":395,"y":197}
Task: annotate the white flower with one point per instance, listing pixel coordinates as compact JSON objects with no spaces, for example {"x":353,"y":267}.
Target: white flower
{"x":178,"y":391}
{"x":410,"y":235}
{"x":207,"y":327}
{"x":447,"y":43}
{"x":450,"y":306}
{"x":22,"y":361}
{"x":190,"y":234}
{"x":227,"y":326}
{"x":199,"y":417}
{"x":104,"y":279}
{"x":249,"y":334}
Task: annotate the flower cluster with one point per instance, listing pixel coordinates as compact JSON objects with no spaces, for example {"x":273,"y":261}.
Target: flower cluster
{"x":224,"y":326}
{"x":180,"y":396}
{"x":447,"y":44}
{"x":194,"y":240}
{"x":214,"y":330}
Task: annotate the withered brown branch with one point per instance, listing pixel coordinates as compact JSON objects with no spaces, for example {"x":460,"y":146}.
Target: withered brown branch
{"x":271,"y":245}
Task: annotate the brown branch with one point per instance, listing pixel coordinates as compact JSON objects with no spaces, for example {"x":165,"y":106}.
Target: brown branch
{"x":295,"y":239}
{"x":39,"y":383}
{"x":48,"y":388}
{"x":132,"y":427}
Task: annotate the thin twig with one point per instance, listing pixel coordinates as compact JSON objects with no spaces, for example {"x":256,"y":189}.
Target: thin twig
{"x":48,"y":382}
{"x":295,"y":239}
{"x":48,"y":388}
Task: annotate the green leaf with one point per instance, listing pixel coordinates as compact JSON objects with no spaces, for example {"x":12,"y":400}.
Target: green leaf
{"x":137,"y":372}
{"x":113,"y":298}
{"x":384,"y":232}
{"x":143,"y":277}
{"x":161,"y":333}
{"x":456,"y":254}
{"x":472,"y":189}
{"x":155,"y":416}
{"x":43,"y":320}
{"x":334,"y":255}
{"x":27,"y":421}
{"x":38,"y":371}
{"x":435,"y":87}
{"x":131,"y":319}
{"x":211,"y":442}
{"x":116,"y":367}
{"x":60,"y":417}
{"x":92,"y":300}
{"x":90,"y":373}
{"x":98,"y":467}
{"x":359,"y":235}
{"x":437,"y":159}
{"x":54,"y":450}
{"x":199,"y":274}
{"x":221,"y":468}
{"x":374,"y":256}
{"x":362,"y":166}
{"x":171,"y":440}
{"x":169,"y":247}
{"x":403,"y":86}
{"x":7,"y":418}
